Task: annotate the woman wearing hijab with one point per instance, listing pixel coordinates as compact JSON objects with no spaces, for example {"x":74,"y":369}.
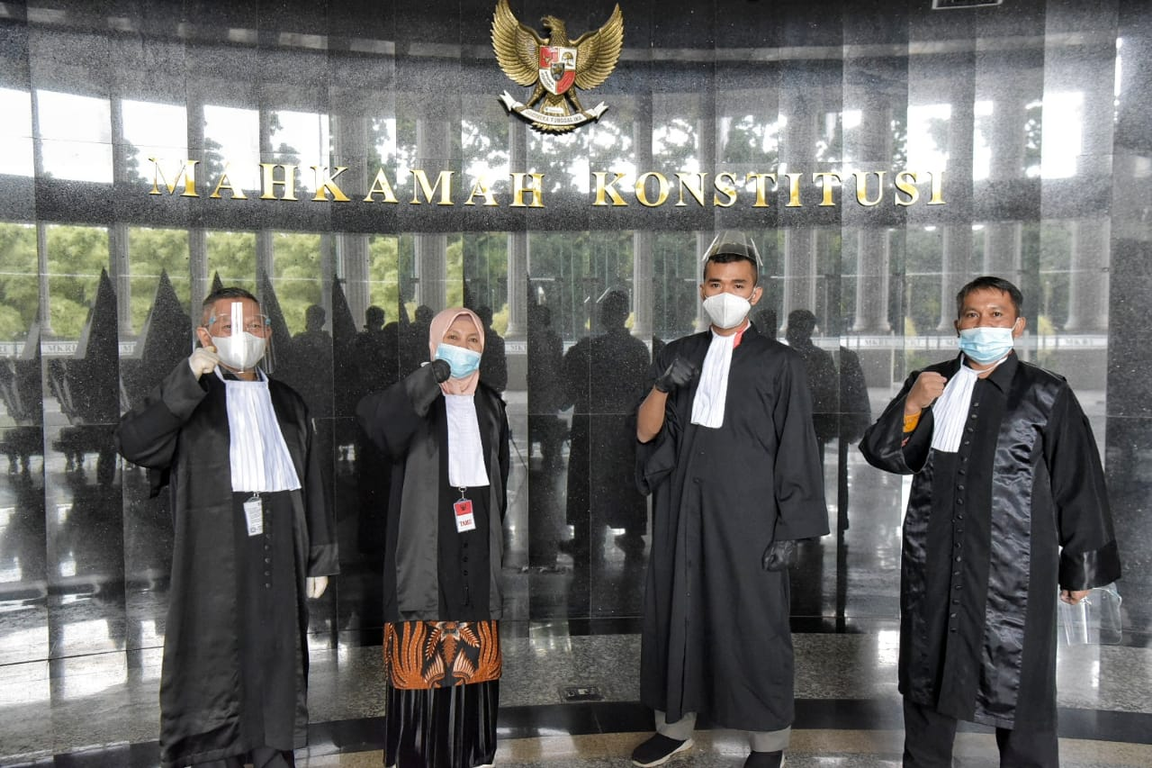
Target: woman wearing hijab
{"x":447,"y":437}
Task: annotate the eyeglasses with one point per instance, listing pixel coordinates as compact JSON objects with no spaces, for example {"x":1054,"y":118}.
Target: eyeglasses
{"x":221,"y":325}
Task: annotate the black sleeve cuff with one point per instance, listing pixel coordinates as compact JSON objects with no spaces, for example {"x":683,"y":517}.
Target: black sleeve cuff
{"x":1085,"y":570}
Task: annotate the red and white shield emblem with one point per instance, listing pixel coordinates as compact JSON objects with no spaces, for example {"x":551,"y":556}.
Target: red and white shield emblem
{"x":557,"y":68}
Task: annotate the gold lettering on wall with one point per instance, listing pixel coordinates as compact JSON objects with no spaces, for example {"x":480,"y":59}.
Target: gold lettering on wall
{"x":187,"y":170}
{"x":650,"y":189}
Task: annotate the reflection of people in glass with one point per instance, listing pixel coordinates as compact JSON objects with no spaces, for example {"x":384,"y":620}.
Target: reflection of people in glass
{"x":855,"y":416}
{"x":604,"y":377}
{"x":413,"y":338}
{"x":494,"y":365}
{"x":253,"y":539}
{"x":447,"y":435}
{"x":764,"y":318}
{"x":1008,"y":508}
{"x":729,"y":455}
{"x":822,"y":377}
{"x":545,"y":385}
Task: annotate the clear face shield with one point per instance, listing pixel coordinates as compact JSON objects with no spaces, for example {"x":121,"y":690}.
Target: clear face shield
{"x":241,"y":338}
{"x":735,"y":243}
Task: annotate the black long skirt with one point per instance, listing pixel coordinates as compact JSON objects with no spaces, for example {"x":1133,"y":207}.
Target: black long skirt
{"x":452,"y":727}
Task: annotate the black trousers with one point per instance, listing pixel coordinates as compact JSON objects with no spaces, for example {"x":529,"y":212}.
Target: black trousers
{"x":928,"y":737}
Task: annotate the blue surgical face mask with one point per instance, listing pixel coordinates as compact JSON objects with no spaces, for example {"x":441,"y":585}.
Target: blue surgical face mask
{"x":986,"y":345}
{"x":463,"y":362}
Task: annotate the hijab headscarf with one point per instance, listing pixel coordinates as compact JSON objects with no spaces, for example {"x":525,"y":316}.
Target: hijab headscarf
{"x":440,"y":325}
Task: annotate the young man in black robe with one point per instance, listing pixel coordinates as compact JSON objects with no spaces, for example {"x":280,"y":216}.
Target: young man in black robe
{"x":253,"y":538}
{"x":1008,"y":501}
{"x":728,"y":452}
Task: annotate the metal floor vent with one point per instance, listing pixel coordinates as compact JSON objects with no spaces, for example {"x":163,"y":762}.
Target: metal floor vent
{"x":575,"y":693}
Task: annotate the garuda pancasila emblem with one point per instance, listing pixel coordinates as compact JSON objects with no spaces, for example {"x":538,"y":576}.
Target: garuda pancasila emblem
{"x":556,"y":66}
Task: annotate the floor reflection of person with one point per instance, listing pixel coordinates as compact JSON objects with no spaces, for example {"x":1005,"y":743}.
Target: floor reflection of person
{"x":253,"y":538}
{"x":446,"y":433}
{"x":1008,"y":509}
{"x":604,"y":377}
{"x":729,"y":455}
{"x":822,"y":376}
{"x":855,"y":416}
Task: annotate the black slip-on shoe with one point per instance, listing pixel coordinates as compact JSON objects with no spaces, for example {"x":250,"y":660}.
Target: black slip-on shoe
{"x":658,"y":750}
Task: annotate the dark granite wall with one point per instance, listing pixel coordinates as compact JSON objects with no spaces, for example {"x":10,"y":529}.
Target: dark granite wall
{"x":1028,"y":122}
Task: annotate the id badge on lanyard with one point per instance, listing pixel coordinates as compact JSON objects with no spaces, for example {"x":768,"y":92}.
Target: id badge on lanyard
{"x":254,"y":515}
{"x":465,"y":519}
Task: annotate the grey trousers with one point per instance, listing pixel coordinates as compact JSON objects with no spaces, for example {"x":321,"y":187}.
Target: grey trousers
{"x":762,"y":741}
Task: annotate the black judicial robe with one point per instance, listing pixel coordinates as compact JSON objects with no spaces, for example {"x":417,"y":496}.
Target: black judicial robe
{"x":431,"y":571}
{"x":716,"y":637}
{"x":989,"y":532}
{"x":208,"y":706}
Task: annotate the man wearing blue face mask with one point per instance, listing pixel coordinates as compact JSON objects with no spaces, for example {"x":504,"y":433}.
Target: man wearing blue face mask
{"x":1008,"y":501}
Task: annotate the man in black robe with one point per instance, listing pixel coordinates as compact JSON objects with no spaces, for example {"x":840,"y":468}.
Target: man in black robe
{"x":253,"y":538}
{"x":728,"y":452}
{"x":1008,"y":501}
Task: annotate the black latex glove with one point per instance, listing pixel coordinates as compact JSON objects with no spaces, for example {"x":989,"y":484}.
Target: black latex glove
{"x":780,"y":555}
{"x":679,"y":373}
{"x":441,"y":370}
{"x":423,"y":385}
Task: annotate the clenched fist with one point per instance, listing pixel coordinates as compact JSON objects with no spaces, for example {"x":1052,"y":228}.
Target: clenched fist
{"x":929,"y":386}
{"x":203,"y":361}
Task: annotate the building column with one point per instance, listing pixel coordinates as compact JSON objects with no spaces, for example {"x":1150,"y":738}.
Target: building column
{"x":642,"y":288}
{"x":200,"y":280}
{"x":431,"y":248}
{"x":800,"y":265}
{"x":350,"y":146}
{"x":873,"y":252}
{"x":1088,"y":281}
{"x":516,"y":287}
{"x":119,"y":269}
{"x":956,"y":266}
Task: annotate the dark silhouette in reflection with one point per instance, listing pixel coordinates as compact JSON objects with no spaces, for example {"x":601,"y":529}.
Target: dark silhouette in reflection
{"x":546,"y":429}
{"x":855,"y":416}
{"x":604,"y":378}
{"x":494,"y":363}
{"x":821,"y":375}
{"x":21,"y":391}
{"x":87,"y":387}
{"x":808,"y":574}
{"x":164,"y":340}
{"x":765,"y":320}
{"x":414,"y":339}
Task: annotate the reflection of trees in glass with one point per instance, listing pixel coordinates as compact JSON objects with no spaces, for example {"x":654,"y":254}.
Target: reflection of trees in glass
{"x":752,"y":140}
{"x":571,"y":270}
{"x":899,"y":127}
{"x":76,"y":255}
{"x":485,"y":262}
{"x":297,"y":262}
{"x":922,"y":254}
{"x":19,"y":286}
{"x":232,"y":255}
{"x":383,"y":274}
{"x":830,"y":145}
{"x":565,"y":160}
{"x":151,"y":251}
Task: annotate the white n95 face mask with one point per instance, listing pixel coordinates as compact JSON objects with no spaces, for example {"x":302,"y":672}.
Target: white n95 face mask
{"x":240,"y":351}
{"x":727,"y":310}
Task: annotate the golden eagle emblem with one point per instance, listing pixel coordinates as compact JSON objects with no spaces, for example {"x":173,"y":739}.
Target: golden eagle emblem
{"x":556,"y":66}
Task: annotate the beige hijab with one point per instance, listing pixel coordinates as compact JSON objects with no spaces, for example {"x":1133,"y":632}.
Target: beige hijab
{"x":440,"y":325}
